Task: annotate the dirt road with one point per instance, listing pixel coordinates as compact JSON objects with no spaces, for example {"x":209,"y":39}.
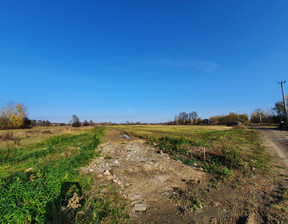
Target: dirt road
{"x":146,"y":178}
{"x":276,"y":142}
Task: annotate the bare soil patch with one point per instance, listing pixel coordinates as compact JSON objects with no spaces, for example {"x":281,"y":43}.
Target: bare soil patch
{"x":144,"y":177}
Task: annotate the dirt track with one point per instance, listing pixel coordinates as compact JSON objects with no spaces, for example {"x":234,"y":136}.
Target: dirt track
{"x":143,"y":176}
{"x":276,"y":142}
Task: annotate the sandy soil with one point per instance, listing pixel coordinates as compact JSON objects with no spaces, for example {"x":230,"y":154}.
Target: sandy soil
{"x":276,"y":141}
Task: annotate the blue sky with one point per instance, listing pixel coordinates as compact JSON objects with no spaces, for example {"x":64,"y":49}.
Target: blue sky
{"x":142,"y":60}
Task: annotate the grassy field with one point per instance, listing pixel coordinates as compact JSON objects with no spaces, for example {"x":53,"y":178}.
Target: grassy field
{"x":22,"y":137}
{"x":232,"y":158}
{"x":219,"y":150}
{"x":40,"y":182}
{"x":150,"y":131}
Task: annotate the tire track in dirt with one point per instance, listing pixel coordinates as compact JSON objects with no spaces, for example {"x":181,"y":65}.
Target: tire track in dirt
{"x":146,"y":178}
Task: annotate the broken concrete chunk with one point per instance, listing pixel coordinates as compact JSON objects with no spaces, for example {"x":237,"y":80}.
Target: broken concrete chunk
{"x":168,"y":194}
{"x":135,"y":197}
{"x":106,"y":173}
{"x":140,"y":207}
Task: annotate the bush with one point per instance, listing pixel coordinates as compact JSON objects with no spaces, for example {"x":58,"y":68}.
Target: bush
{"x":76,"y":124}
{"x":86,"y":123}
{"x":241,"y":126}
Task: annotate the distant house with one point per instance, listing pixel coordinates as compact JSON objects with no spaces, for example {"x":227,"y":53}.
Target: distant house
{"x":207,"y":121}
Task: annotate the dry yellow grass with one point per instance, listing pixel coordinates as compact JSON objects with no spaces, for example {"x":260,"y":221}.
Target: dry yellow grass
{"x":169,"y":130}
{"x":23,"y":137}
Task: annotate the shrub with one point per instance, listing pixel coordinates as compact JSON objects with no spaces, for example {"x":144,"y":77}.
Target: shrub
{"x":86,"y":123}
{"x":76,"y":124}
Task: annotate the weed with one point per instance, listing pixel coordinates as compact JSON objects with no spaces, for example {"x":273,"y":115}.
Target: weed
{"x":214,"y":184}
{"x":284,"y":194}
{"x":104,"y":208}
{"x":223,"y":155}
{"x":281,"y":167}
{"x":47,"y":192}
{"x":108,"y":157}
{"x":7,"y":136}
{"x":188,"y":200}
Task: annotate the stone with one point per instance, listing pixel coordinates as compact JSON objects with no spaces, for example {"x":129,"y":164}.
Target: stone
{"x":140,"y":207}
{"x":168,"y":194}
{"x":213,"y":220}
{"x":106,"y":173}
{"x":110,"y":178}
{"x":148,"y":167}
{"x":162,"y":178}
{"x":117,"y":181}
{"x":134,"y":197}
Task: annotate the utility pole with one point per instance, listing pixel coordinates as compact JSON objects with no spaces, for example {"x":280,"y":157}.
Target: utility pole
{"x":284,"y":99}
{"x":259,"y":111}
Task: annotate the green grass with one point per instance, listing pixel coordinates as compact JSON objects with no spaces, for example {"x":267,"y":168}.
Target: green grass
{"x":37,"y":181}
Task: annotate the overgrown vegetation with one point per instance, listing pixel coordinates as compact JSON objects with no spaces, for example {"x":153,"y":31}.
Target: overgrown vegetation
{"x":230,"y":118}
{"x":226,"y":154}
{"x":34,"y":135}
{"x":41,"y":182}
{"x":218,"y":150}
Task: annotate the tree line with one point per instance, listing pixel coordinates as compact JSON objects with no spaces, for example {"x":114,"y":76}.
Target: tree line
{"x":192,"y":118}
{"x":274,"y":115}
{"x":231,"y":118}
{"x":75,"y":122}
{"x":14,"y":116}
{"x":187,"y":118}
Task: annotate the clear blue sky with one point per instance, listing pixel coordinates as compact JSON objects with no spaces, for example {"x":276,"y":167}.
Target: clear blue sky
{"x":142,"y":60}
